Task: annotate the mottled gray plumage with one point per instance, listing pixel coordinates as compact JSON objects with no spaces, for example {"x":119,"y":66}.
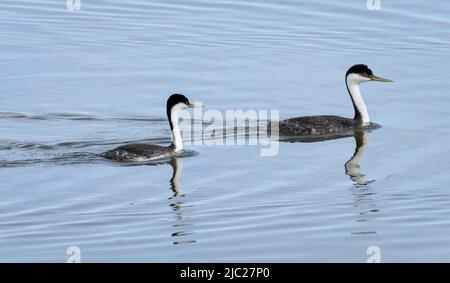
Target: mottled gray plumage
{"x":139,"y":152}
{"x":318,"y":128}
{"x":317,"y":125}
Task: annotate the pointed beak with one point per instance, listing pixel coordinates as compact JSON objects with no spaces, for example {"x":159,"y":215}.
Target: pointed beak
{"x":194,"y":106}
{"x":375,"y":78}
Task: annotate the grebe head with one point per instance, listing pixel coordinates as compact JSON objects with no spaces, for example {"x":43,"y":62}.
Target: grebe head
{"x":178,"y":102}
{"x":175,"y":104}
{"x":361,"y":73}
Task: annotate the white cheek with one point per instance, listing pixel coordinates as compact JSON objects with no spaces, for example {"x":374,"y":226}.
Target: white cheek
{"x":365,"y":79}
{"x":357,"y":78}
{"x":179,"y":106}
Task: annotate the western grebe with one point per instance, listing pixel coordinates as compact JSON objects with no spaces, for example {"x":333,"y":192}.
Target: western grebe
{"x":146,"y":152}
{"x":328,"y":124}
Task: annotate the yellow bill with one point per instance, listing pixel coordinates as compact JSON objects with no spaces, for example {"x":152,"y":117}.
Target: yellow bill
{"x":375,"y":78}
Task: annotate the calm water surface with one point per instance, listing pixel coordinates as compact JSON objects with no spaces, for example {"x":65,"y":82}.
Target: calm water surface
{"x":75,"y":83}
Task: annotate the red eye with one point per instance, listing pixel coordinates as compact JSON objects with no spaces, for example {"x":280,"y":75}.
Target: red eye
{"x":364,"y":75}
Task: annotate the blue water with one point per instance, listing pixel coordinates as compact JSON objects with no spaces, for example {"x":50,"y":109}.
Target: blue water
{"x":76,"y":83}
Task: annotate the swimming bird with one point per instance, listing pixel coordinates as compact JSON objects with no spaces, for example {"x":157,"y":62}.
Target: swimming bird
{"x":324,"y":125}
{"x":146,"y":152}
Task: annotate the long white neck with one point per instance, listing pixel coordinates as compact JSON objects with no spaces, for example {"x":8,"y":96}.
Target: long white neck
{"x":176,"y":135}
{"x":358,"y":102}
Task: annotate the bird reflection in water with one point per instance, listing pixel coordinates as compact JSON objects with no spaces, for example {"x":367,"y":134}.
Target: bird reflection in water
{"x":352,"y":167}
{"x":181,"y":235}
{"x":362,"y":193}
